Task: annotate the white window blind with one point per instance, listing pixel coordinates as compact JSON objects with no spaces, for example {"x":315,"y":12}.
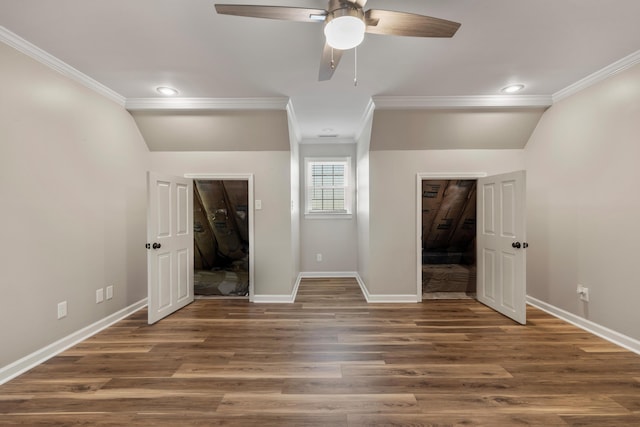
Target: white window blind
{"x":327,"y":186}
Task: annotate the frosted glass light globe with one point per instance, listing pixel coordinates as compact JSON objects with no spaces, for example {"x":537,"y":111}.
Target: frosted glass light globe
{"x":344,"y":32}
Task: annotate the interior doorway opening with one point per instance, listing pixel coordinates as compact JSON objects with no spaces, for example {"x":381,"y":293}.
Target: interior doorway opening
{"x":448,"y":238}
{"x":221,"y":225}
{"x":499,"y":235}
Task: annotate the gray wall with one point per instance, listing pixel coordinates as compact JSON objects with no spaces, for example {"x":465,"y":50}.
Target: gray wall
{"x":457,"y":128}
{"x":213,"y":130}
{"x":393,"y":211}
{"x":584,"y":203}
{"x":272,"y":185}
{"x":72,"y":206}
{"x":335,"y":238}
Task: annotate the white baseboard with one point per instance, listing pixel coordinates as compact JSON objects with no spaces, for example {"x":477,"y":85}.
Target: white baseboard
{"x":392,"y":298}
{"x":610,"y":335}
{"x":385,"y":298}
{"x":363,"y":287}
{"x":20,"y":366}
{"x":279,"y":299}
{"x":333,"y":274}
{"x":295,"y":287}
{"x":373,"y":298}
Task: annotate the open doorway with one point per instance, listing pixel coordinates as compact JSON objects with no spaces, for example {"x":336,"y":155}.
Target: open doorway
{"x":499,"y":235}
{"x":221,"y":238}
{"x":448,"y":238}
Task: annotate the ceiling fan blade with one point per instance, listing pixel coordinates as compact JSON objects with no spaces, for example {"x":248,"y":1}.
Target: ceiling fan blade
{"x":299,"y":14}
{"x":328,"y":62}
{"x":408,"y":24}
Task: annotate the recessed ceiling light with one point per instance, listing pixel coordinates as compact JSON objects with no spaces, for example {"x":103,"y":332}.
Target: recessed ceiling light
{"x":167,"y":91}
{"x":512,"y":88}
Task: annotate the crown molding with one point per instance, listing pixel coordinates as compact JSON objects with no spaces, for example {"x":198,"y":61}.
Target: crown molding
{"x":34,"y":52}
{"x":273,"y":103}
{"x":482,"y":101}
{"x":600,"y":75}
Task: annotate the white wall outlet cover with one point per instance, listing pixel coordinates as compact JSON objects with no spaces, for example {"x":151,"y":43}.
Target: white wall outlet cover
{"x":62,"y":309}
{"x":99,"y":296}
{"x":258,"y":204}
{"x":583,"y":293}
{"x":109,"y":292}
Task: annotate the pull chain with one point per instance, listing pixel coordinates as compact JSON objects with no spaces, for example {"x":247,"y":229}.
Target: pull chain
{"x":333,"y":64}
{"x":355,"y":66}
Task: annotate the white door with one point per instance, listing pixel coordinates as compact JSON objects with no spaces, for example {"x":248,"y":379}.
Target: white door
{"x":501,"y":244}
{"x":169,"y":244}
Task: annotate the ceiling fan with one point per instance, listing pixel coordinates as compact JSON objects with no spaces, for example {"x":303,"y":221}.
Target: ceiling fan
{"x":345,"y":23}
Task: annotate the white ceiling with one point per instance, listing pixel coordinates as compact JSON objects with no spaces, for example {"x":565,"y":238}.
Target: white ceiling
{"x":133,"y":46}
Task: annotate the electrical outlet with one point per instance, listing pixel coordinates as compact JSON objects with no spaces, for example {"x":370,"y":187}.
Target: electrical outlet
{"x":583,"y":293}
{"x":319,"y":257}
{"x":62,"y":309}
{"x":99,"y":295}
{"x":109,"y":292}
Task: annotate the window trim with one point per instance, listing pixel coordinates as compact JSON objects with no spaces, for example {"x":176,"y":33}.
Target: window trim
{"x":348,"y":189}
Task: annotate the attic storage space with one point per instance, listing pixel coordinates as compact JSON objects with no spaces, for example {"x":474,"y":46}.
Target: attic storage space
{"x":221,"y":238}
{"x":448,"y":238}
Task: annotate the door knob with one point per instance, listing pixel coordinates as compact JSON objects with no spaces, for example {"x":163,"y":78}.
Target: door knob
{"x":158,"y":245}
{"x":514,"y":244}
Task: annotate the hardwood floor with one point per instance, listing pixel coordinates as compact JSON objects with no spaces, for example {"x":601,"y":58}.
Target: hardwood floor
{"x":331,"y":359}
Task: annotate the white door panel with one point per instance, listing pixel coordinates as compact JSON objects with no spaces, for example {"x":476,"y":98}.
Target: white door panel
{"x":184,"y":271}
{"x":501,"y":265}
{"x":488,"y":274}
{"x":170,"y":244}
{"x":163,"y":297}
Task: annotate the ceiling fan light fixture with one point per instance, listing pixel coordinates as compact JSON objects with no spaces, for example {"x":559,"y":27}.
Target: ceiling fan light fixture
{"x":345,"y":28}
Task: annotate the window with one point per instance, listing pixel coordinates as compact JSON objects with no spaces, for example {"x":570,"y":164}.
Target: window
{"x":327,"y":186}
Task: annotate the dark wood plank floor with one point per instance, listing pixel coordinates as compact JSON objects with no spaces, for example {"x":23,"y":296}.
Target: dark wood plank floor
{"x":331,"y":359}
